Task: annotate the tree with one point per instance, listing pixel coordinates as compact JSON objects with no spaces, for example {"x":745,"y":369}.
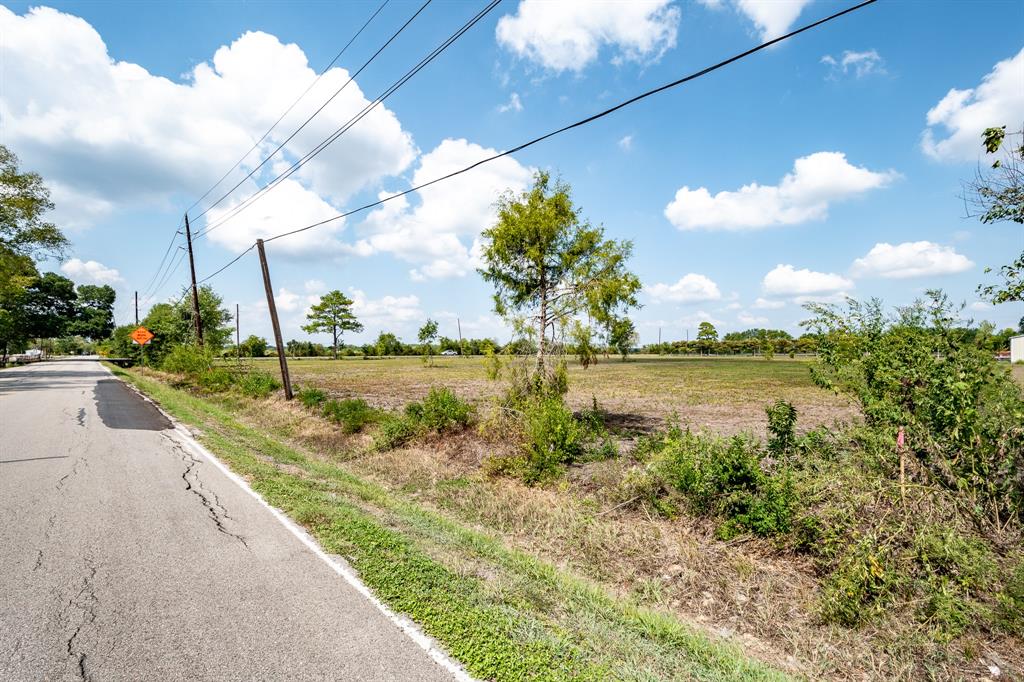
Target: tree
{"x":622,"y":336}
{"x":582,"y":338}
{"x":427,"y":334}
{"x":95,"y":314}
{"x":332,"y":314}
{"x":545,"y":261}
{"x":707,"y":336}
{"x":997,"y":195}
{"x":387,"y":344}
{"x":49,"y":306}
{"x":254,"y":346}
{"x":24,"y":199}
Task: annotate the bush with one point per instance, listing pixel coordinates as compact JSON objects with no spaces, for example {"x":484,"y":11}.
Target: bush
{"x":189,"y":360}
{"x":1011,"y":602}
{"x":442,"y":411}
{"x":861,"y":585}
{"x":781,"y":428}
{"x":311,"y":397}
{"x":352,"y":413}
{"x":257,"y":384}
{"x":216,"y":379}
{"x":395,"y":431}
{"x":553,"y":438}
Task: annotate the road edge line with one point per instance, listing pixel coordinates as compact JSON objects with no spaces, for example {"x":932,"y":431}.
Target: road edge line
{"x":404,"y":624}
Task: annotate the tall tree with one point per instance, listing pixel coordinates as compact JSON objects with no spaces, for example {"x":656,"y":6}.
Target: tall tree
{"x":622,"y":336}
{"x":427,"y":334}
{"x":548,"y":263}
{"x":997,"y":195}
{"x":332,"y":314}
{"x":95,"y":315}
{"x":49,"y":306}
{"x":707,"y":336}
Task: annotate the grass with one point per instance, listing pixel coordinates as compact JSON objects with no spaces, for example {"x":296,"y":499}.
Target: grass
{"x":726,"y":394}
{"x":501,"y":611}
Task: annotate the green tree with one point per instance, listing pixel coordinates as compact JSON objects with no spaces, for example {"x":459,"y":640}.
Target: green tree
{"x":24,"y":200}
{"x":583,"y":342}
{"x":95,"y":314}
{"x":332,"y":314}
{"x":427,"y":334}
{"x":253,"y":347}
{"x":707,"y":336}
{"x":997,"y":195}
{"x":49,"y":306}
{"x":548,"y":263}
{"x":622,"y":336}
{"x":387,"y":344}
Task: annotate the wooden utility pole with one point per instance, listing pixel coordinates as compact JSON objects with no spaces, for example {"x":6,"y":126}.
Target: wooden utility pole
{"x":238,"y":345}
{"x":195,"y":289}
{"x":459,"y":322}
{"x":285,"y":379}
{"x":136,"y":309}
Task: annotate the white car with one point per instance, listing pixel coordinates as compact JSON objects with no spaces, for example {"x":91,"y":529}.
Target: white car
{"x":449,"y":352}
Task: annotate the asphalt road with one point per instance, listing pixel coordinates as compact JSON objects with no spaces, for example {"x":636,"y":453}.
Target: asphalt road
{"x":125,"y":556}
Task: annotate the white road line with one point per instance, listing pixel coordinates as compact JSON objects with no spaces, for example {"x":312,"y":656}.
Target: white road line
{"x":424,"y":641}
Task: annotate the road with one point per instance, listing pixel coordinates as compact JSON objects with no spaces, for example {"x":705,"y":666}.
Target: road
{"x":126,"y":556}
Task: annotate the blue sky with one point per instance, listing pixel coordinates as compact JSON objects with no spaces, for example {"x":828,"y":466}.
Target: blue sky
{"x":828,"y":165}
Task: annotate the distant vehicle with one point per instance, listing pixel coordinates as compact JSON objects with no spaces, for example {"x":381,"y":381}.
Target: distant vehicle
{"x":449,"y":352}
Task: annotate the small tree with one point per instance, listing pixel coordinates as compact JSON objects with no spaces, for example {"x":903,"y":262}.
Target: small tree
{"x":622,"y":336}
{"x":583,"y":339}
{"x":332,"y":314}
{"x":254,"y":347}
{"x":427,"y":334}
{"x":707,"y":336}
{"x":548,"y":263}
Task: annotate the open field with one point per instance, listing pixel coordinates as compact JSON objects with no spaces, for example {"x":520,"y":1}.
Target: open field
{"x":725,"y":394}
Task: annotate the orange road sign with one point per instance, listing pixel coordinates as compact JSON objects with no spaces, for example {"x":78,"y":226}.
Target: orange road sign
{"x":142,"y":336}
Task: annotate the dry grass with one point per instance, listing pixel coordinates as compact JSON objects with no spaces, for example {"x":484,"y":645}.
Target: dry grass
{"x":725,"y":394}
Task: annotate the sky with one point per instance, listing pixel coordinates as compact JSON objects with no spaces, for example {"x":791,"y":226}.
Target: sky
{"x":826,"y":166}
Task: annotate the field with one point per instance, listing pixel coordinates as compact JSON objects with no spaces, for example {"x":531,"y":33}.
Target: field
{"x":727,"y":394}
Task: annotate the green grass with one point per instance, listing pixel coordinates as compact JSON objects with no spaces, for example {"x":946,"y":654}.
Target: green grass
{"x":501,"y":612}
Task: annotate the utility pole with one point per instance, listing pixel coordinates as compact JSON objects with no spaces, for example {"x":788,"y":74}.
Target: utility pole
{"x":195,"y":289}
{"x":459,"y":322}
{"x":136,"y":308}
{"x":285,"y":379}
{"x":238,"y":345}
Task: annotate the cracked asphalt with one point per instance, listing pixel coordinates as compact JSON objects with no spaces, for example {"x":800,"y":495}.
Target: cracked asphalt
{"x":123,"y":556}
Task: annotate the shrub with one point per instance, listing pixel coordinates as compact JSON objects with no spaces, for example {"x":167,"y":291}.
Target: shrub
{"x":311,"y":397}
{"x":861,"y":585}
{"x":395,"y":431}
{"x":553,"y":438}
{"x":442,"y":411}
{"x":216,"y":379}
{"x":257,"y":384}
{"x":352,"y":413}
{"x":189,"y":360}
{"x":1011,"y":602}
{"x":781,"y":428}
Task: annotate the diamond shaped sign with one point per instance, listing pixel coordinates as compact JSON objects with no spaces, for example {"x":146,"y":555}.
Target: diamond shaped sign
{"x":142,"y":336}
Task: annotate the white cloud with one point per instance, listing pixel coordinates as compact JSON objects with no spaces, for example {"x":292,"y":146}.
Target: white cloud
{"x":772,"y":18}
{"x":290,"y":301}
{"x":962,"y":115}
{"x":90,"y":272}
{"x":387,"y":313}
{"x":289,"y":206}
{"x":514,"y":104}
{"x":768,"y":304}
{"x":910,"y":259}
{"x":626,"y":143}
{"x":314,"y":286}
{"x":441,"y":234}
{"x":980,"y":306}
{"x":803,"y":194}
{"x":696,"y":318}
{"x":108,"y":134}
{"x":785,"y":280}
{"x":691,"y":288}
{"x":860,"y":63}
{"x":567,"y":35}
{"x":747,"y":318}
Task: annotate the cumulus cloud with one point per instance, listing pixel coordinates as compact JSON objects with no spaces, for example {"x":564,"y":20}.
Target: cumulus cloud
{"x":804,"y":194}
{"x":385,"y":313}
{"x":108,"y":133}
{"x":955,"y":124}
{"x":694,"y":319}
{"x":90,"y":272}
{"x":691,"y":288}
{"x":768,"y":304}
{"x":772,"y":18}
{"x":626,"y":143}
{"x":747,"y":318}
{"x":785,"y":280}
{"x":860,"y":64}
{"x":568,"y":35}
{"x":440,"y":235}
{"x":910,"y":259}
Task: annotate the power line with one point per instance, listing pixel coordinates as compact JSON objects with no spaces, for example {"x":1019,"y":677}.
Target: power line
{"x":315,"y":113}
{"x":581,"y":122}
{"x":351,"y":122}
{"x":292,"y":106}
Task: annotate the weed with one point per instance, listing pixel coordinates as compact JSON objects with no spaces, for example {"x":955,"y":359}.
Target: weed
{"x":311,"y":397}
{"x":781,"y":428}
{"x":257,"y":384}
{"x":189,"y":360}
{"x":553,"y":438}
{"x":352,"y":414}
{"x":395,"y":431}
{"x":443,"y":411}
{"x":216,"y":379}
